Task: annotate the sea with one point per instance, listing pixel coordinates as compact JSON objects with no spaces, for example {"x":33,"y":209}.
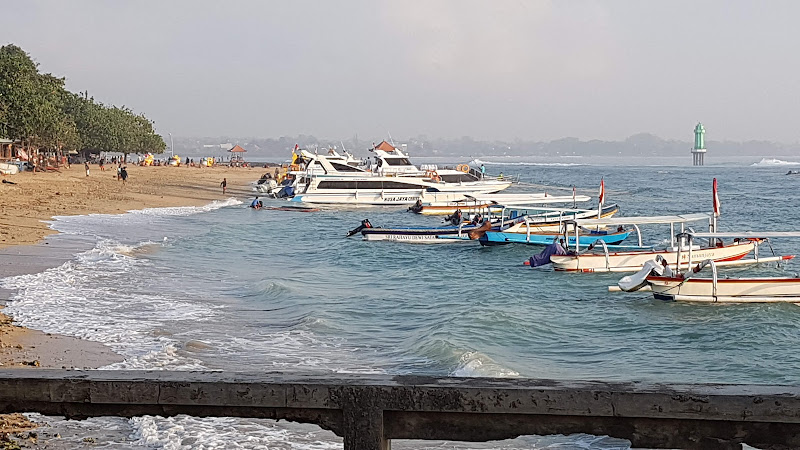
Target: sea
{"x":225,"y":287}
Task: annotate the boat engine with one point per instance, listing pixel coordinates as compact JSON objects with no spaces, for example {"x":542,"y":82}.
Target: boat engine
{"x":364,"y":224}
{"x":631,"y":283}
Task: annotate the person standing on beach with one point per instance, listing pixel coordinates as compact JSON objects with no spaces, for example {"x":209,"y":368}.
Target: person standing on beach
{"x":119,"y":171}
{"x":123,"y":173}
{"x":224,"y":185}
{"x":86,"y":166}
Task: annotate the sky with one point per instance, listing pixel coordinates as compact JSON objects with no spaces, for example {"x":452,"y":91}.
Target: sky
{"x":490,"y":70}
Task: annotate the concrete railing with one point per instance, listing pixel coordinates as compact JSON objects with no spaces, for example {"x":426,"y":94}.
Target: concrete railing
{"x":368,"y":411}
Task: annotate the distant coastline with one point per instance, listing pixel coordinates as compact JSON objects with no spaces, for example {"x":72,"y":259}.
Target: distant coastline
{"x":638,"y":145}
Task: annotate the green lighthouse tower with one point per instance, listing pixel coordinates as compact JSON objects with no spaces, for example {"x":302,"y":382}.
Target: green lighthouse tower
{"x":699,"y":150}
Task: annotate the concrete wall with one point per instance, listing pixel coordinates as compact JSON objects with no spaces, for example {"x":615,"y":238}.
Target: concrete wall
{"x":368,"y":411}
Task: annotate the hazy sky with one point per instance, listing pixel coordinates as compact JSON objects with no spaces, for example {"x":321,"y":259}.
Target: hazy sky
{"x":537,"y":70}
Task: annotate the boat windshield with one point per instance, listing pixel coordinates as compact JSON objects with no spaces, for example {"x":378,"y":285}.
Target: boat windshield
{"x":397,"y":161}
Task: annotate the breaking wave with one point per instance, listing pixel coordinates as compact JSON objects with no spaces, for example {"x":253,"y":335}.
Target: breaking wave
{"x":775,"y":162}
{"x":477,"y":161}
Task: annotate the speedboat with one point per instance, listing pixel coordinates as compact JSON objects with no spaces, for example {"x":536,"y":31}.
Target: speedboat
{"x":391,"y":180}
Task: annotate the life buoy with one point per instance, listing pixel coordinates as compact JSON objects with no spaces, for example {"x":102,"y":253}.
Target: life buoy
{"x":463,"y":168}
{"x":433,"y":175}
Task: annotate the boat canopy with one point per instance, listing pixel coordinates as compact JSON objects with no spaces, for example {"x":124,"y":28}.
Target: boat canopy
{"x":515,"y":199}
{"x":539,"y":207}
{"x":681,"y":218}
{"x":747,"y":234}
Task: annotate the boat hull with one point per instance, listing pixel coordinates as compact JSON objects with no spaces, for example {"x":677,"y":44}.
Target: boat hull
{"x":410,"y":236}
{"x":634,"y":261}
{"x":727,"y":290}
{"x":499,"y":237}
{"x":395,"y":197}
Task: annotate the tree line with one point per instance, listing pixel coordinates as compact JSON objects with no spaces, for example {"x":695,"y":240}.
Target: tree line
{"x":36,"y":109}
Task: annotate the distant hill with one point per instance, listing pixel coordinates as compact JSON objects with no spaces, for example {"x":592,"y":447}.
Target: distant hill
{"x":642,"y":144}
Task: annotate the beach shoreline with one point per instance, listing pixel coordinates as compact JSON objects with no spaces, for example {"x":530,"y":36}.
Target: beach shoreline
{"x":27,"y":248}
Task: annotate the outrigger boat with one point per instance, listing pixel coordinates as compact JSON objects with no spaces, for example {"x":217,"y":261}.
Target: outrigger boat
{"x":725,"y":290}
{"x":544,"y":230}
{"x":494,"y":217}
{"x":668,"y":285}
{"x":423,"y":235}
{"x":683,"y":247}
{"x":480,"y":203}
{"x":548,"y":230}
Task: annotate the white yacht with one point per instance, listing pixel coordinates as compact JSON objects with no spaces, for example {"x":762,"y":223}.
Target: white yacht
{"x":390,"y":180}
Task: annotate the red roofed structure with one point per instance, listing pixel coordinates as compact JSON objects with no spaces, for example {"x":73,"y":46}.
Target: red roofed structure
{"x":385,"y":146}
{"x":238,"y":159}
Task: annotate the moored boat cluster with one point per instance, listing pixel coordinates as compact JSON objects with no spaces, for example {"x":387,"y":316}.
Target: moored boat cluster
{"x":577,"y":240}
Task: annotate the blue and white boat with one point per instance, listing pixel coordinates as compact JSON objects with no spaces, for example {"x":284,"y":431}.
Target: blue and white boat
{"x":534,"y":238}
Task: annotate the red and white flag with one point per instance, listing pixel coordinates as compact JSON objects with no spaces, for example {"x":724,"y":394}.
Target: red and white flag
{"x":296,"y":147}
{"x":716,"y":199}
{"x":22,"y":155}
{"x":601,"y":198}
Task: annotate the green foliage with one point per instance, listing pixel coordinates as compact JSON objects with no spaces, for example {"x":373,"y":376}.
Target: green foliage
{"x":36,"y":108}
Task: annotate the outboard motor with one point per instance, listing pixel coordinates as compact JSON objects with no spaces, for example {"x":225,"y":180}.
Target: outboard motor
{"x":286,"y":191}
{"x":455,"y":218}
{"x":630,"y":283}
{"x":364,"y":224}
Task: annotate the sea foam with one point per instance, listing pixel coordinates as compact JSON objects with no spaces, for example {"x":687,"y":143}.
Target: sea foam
{"x":775,"y":162}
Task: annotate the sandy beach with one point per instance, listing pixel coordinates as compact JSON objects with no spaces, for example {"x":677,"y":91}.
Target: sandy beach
{"x":37,"y":197}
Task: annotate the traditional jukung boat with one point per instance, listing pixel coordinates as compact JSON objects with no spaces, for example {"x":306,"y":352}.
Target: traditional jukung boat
{"x":682,"y":252}
{"x":725,"y":290}
{"x":423,"y":235}
{"x":480,"y":203}
{"x":495,"y":217}
{"x":548,"y":228}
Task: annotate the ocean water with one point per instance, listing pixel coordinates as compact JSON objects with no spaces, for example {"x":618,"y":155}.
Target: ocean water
{"x":224,"y":287}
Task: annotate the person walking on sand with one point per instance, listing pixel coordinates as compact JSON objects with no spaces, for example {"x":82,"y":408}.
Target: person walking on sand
{"x":86,"y":166}
{"x":224,"y":185}
{"x":123,"y":173}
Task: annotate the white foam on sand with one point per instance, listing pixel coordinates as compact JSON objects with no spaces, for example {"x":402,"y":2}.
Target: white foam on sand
{"x":187,"y":210}
{"x":83,"y":298}
{"x":99,"y":224}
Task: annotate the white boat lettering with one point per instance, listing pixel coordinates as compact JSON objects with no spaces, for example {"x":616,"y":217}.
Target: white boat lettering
{"x":411,"y":237}
{"x":400,"y":199}
{"x":698,"y":255}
